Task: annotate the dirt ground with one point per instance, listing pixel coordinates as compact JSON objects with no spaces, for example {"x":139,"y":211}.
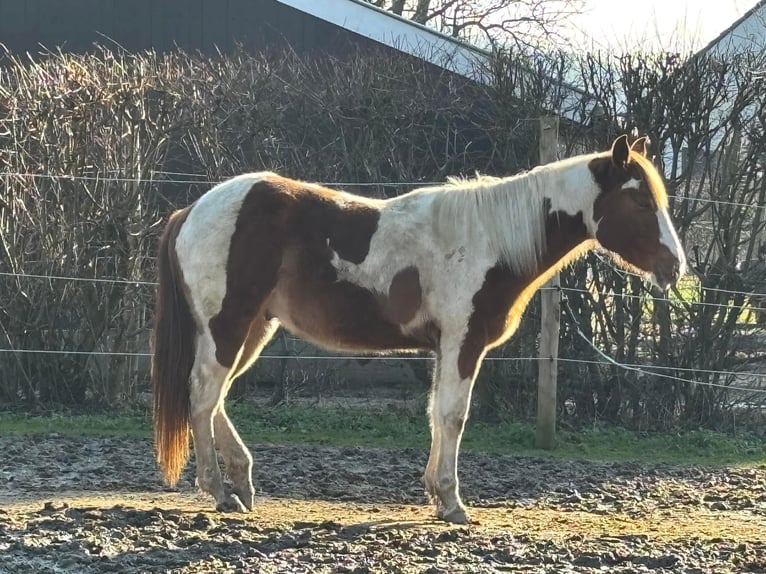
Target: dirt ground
{"x":97,"y":505}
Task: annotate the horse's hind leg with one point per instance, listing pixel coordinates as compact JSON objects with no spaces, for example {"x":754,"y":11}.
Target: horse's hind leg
{"x":208,"y":383}
{"x":236,"y":456}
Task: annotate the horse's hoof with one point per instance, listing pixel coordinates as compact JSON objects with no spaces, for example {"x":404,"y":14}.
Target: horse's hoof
{"x":455,"y":516}
{"x":248,"y":499}
{"x":245,"y":496}
{"x":231,"y":503}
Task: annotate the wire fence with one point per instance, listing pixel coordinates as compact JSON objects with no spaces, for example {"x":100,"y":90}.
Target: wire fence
{"x":404,"y":357}
{"x":196,"y":179}
{"x":166,"y":177}
{"x":646,"y":370}
{"x":745,"y":294}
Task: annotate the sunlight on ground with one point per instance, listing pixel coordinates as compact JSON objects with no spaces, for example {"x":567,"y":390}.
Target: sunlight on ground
{"x":542,"y":524}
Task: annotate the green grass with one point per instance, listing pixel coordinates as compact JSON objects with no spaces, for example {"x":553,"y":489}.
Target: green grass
{"x":687,"y":291}
{"x":401,"y":428}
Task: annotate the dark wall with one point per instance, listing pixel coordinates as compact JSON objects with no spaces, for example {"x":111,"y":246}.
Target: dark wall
{"x":204,"y":25}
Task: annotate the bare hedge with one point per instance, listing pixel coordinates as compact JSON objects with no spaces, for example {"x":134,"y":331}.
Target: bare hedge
{"x":141,"y":133}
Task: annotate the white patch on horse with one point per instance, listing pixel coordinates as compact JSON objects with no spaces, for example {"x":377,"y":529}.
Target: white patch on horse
{"x":204,"y":240}
{"x":572,"y":189}
{"x":669,"y":239}
{"x":482,"y":211}
{"x":400,"y":242}
{"x":631,"y":184}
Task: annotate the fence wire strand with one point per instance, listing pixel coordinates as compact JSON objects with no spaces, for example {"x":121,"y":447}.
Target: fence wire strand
{"x":641,"y":369}
{"x":648,"y":298}
{"x":78,"y":279}
{"x":176,"y":179}
{"x":191,"y":178}
{"x":196,"y":179}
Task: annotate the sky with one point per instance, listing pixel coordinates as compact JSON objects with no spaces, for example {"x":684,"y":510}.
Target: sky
{"x":677,"y":25}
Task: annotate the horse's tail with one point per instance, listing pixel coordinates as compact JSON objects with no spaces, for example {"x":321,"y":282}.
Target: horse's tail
{"x":173,"y":357}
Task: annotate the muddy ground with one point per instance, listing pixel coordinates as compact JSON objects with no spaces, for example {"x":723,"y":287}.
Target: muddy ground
{"x":97,"y":505}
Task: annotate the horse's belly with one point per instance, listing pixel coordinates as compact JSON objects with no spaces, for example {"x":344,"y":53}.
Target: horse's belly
{"x":339,"y":315}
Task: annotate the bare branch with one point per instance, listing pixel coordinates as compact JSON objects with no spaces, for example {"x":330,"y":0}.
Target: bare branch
{"x":490,"y":22}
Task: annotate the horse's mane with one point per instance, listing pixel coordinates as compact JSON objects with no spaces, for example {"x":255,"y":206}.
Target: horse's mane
{"x":653,"y":178}
{"x":462,"y":181}
{"x":506,"y":212}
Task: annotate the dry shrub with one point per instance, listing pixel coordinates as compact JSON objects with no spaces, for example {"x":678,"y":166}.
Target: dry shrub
{"x":141,"y":134}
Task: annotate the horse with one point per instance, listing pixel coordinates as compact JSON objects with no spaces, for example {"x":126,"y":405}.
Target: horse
{"x":446,"y":269}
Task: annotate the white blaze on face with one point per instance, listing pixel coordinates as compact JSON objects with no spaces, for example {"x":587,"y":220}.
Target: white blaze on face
{"x":631,"y":184}
{"x":669,"y":239}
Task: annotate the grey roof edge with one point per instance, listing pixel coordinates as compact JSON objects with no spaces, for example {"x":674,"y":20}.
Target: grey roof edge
{"x":733,"y":26}
{"x":474,"y":51}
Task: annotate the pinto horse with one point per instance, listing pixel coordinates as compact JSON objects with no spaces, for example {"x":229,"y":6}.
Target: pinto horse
{"x":447,"y":269}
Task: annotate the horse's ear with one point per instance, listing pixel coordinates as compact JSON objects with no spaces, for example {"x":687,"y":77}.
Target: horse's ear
{"x":641,"y":146}
{"x":620,"y":151}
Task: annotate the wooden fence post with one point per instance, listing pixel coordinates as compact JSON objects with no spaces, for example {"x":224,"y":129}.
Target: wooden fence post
{"x":545,"y":436}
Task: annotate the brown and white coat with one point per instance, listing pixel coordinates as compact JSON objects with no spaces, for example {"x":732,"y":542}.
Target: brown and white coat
{"x":447,"y":269}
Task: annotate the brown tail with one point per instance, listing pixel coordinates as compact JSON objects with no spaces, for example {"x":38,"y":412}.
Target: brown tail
{"x":173,"y":357}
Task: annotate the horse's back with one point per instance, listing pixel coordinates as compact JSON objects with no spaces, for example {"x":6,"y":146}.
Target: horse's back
{"x":264,"y":245}
{"x":241,"y":222}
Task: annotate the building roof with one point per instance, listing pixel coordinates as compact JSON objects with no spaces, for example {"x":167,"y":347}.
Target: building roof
{"x":734,"y":25}
{"x":397,"y":32}
{"x":440,"y":49}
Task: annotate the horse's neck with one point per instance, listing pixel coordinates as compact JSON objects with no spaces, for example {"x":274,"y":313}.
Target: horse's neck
{"x":556,"y":213}
{"x":509,"y":218}
{"x":566,"y":239}
{"x":569,"y":196}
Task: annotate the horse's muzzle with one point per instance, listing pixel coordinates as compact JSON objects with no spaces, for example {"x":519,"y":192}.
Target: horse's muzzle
{"x":668,"y":271}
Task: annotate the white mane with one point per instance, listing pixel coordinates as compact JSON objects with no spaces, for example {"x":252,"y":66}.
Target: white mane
{"x":508,"y":213}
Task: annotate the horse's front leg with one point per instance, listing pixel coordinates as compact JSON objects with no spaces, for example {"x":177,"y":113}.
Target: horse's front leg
{"x":449,"y":410}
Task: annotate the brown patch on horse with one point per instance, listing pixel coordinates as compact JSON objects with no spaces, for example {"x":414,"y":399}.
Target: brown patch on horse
{"x":608,"y":176}
{"x":626,"y":229}
{"x":279,"y":265}
{"x":491,"y":315}
{"x":404,"y":295}
{"x":623,"y":163}
{"x":172,"y":356}
{"x":350,"y":230}
{"x":318,"y":307}
{"x":502,"y":299}
{"x":251,"y":268}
